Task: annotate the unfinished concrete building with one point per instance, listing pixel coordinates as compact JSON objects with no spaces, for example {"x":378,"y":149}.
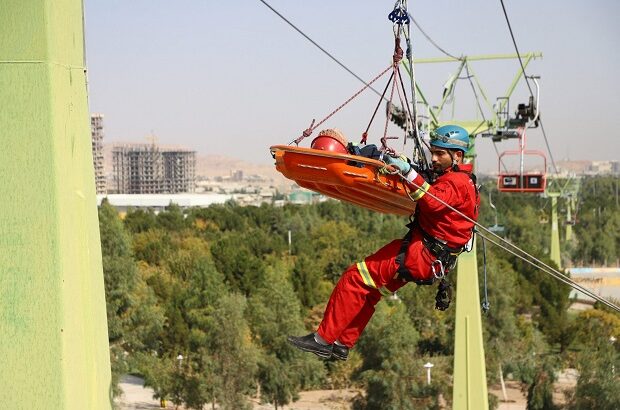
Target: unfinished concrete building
{"x":96,"y":133}
{"x":179,"y":171}
{"x":149,"y":169}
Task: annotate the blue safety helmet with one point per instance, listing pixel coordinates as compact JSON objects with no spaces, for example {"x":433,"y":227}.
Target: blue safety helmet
{"x":450,"y":137}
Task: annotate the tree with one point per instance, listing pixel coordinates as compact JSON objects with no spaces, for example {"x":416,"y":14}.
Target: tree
{"x":390,"y":368}
{"x":234,"y":355}
{"x":139,"y":220}
{"x":152,"y":246}
{"x":119,"y":271}
{"x":598,"y":385}
{"x":241,"y":267}
{"x":273,"y":314}
{"x":311,"y":287}
{"x":540,"y":392}
{"x":172,"y":219}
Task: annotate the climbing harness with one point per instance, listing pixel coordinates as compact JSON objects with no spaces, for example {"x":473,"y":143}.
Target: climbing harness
{"x":445,"y":261}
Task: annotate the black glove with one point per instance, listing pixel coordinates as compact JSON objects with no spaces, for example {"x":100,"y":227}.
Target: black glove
{"x":444,"y":295}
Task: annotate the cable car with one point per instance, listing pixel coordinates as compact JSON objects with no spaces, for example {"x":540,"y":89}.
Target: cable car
{"x":522,"y":180}
{"x":542,"y":217}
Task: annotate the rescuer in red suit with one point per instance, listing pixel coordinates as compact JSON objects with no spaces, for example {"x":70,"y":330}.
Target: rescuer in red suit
{"x":436,"y":237}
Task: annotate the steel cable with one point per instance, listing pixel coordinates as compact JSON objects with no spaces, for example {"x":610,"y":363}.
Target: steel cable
{"x":528,"y":83}
{"x":319,"y":47}
{"x":537,"y":263}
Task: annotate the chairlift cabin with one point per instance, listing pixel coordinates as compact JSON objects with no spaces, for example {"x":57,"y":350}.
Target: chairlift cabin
{"x":524,"y":178}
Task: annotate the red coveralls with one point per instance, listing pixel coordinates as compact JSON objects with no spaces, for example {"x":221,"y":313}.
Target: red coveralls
{"x":352,"y":302}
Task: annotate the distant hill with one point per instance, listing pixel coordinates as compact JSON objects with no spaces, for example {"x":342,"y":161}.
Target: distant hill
{"x":218,"y":165}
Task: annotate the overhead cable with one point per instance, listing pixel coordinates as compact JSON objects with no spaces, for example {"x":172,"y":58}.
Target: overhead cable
{"x":527,"y":82}
{"x":432,"y":41}
{"x":468,"y":77}
{"x":319,"y":47}
{"x":542,"y":128}
{"x":525,"y":256}
{"x":556,"y":274}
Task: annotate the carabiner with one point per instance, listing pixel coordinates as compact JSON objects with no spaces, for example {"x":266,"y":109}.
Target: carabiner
{"x":442,"y":273}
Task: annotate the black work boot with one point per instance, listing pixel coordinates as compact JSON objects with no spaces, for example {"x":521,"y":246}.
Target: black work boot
{"x":340,"y":352}
{"x":309,"y":344}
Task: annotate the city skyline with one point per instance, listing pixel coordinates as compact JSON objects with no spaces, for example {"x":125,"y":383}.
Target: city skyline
{"x":232,"y":79}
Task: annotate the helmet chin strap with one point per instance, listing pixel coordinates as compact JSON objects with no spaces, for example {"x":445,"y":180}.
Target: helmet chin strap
{"x":455,"y":165}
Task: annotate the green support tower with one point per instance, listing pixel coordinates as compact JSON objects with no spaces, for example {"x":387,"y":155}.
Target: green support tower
{"x":470,"y":379}
{"x":470,"y":383}
{"x":53,"y":344}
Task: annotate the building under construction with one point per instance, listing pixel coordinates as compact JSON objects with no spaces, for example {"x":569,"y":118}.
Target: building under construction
{"x":96,"y":133}
{"x":149,"y":169}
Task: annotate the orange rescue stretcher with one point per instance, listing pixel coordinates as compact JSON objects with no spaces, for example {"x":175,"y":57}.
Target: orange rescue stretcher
{"x":346,"y":177}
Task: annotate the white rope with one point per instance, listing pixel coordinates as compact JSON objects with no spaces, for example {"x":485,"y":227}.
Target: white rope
{"x":557,"y":275}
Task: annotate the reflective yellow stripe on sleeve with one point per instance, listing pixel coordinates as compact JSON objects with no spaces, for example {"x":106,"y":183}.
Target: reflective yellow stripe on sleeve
{"x":363,"y":269}
{"x":419,"y":193}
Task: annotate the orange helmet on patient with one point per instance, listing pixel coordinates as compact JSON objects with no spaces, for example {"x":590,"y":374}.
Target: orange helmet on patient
{"x":331,"y":140}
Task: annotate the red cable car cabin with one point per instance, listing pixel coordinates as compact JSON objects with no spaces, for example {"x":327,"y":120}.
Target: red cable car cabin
{"x":522,"y":181}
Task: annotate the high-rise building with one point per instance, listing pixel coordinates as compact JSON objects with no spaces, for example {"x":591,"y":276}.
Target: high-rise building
{"x":96,"y":133}
{"x":179,"y":171}
{"x":149,"y":169}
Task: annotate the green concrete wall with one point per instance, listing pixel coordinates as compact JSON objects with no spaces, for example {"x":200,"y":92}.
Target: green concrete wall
{"x":53,"y":332}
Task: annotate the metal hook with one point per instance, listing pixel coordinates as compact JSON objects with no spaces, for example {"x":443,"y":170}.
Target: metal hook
{"x":442,"y":273}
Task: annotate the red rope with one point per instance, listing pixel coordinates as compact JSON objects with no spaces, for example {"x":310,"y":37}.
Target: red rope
{"x":312,"y":127}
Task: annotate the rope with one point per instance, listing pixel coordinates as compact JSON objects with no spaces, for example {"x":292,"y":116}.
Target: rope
{"x":486,"y":306}
{"x":365,"y":134}
{"x":400,"y":9}
{"x":403,"y":103}
{"x":542,"y":128}
{"x":537,"y":263}
{"x":557,"y":275}
{"x":387,"y":117}
{"x":312,"y":127}
{"x":482,"y":113}
{"x":516,"y":48}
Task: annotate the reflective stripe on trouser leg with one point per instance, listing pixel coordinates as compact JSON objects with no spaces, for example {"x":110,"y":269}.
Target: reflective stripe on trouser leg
{"x":363,"y":269}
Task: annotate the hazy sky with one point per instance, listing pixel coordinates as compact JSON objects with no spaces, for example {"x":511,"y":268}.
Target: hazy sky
{"x":232,"y":78}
